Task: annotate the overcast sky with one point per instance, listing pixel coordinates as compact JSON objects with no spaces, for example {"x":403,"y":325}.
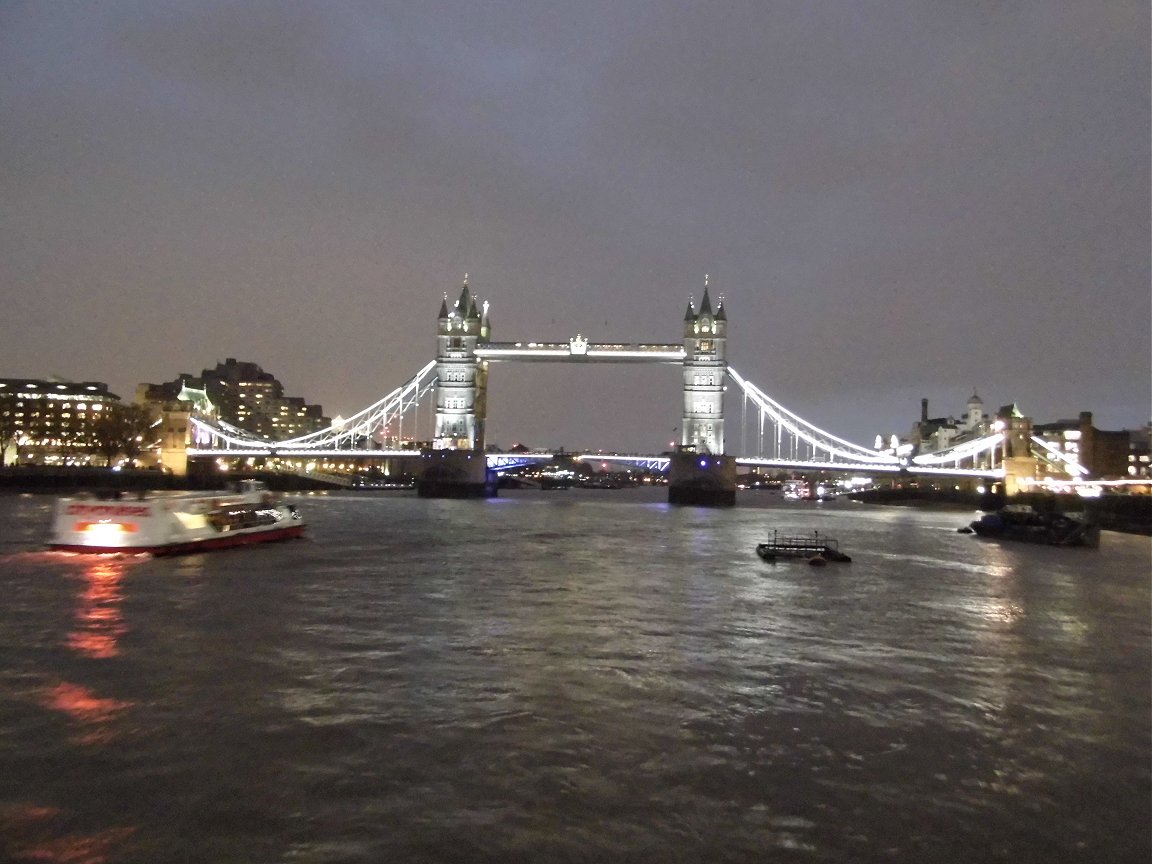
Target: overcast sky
{"x":897,"y":199}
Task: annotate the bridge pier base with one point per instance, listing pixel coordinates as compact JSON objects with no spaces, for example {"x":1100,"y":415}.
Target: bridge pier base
{"x":702,"y":480}
{"x":1019,"y":473}
{"x":455,"y":474}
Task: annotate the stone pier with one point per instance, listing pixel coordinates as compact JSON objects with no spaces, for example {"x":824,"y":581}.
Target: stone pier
{"x":702,"y":480}
{"x":455,"y":474}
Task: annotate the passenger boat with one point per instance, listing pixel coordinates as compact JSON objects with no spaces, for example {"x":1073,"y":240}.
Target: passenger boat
{"x":174,"y":524}
{"x":1022,"y":523}
{"x":816,"y":549}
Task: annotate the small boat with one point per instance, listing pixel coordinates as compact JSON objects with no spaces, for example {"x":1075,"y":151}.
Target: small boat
{"x":171,"y":525}
{"x":1022,"y":523}
{"x":816,"y":549}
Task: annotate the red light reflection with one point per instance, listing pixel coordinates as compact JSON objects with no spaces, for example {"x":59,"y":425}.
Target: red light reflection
{"x":32,"y":833}
{"x":99,"y":624}
{"x":94,"y":713}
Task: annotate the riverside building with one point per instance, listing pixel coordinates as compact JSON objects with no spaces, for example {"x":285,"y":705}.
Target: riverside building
{"x":49,"y":422}
{"x":244,"y":395}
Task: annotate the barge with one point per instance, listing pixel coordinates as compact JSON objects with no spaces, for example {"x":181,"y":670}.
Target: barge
{"x":810,"y":547}
{"x":1024,"y":524}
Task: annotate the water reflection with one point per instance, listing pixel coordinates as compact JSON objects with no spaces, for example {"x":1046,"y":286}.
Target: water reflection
{"x":98,"y":628}
{"x":94,"y":714}
{"x":999,"y":604}
{"x":579,"y":682}
{"x":99,"y":623}
{"x":37,"y":833}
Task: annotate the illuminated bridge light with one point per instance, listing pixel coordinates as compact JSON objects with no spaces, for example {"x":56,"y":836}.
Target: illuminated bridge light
{"x":784,"y":441}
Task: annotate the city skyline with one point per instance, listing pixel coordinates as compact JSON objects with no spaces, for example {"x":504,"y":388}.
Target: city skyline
{"x":422,"y":416}
{"x":896,"y":203}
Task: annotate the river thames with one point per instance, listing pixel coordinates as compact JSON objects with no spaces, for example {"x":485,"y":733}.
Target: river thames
{"x":576,"y":676}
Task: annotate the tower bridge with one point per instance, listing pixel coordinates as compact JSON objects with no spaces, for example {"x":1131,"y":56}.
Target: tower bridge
{"x":451,"y":393}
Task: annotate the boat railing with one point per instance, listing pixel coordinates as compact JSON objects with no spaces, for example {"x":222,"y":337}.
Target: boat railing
{"x":802,"y":541}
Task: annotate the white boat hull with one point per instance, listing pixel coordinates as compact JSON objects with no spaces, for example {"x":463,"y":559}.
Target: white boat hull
{"x":172,"y":525}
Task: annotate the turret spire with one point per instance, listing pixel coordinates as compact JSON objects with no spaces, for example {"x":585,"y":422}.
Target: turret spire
{"x":705,"y":302}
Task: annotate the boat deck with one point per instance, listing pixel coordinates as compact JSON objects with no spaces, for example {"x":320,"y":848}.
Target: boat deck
{"x":801,"y":546}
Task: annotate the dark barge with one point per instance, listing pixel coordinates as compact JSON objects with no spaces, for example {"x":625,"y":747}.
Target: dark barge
{"x":1022,"y":523}
{"x":805,"y":546}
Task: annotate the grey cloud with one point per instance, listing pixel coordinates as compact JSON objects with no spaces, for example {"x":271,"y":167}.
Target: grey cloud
{"x":899,"y":199}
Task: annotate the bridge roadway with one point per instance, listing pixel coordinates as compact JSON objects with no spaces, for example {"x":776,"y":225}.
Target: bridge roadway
{"x":579,"y":348}
{"x":506,"y":461}
{"x":660,"y":463}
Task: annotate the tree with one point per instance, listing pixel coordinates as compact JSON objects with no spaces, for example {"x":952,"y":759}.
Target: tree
{"x":142,"y":431}
{"x":121,"y":429}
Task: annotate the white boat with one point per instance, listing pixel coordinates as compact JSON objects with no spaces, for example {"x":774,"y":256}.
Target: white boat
{"x":170,"y":525}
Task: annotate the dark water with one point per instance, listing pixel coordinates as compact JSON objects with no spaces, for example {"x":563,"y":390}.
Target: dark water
{"x":576,"y":677}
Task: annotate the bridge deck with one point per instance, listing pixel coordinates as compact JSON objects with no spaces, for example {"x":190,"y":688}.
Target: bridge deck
{"x":581,"y":351}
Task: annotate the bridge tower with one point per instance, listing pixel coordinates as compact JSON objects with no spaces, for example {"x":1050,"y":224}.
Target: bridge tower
{"x":461,"y":377}
{"x":175,"y":426}
{"x":455,"y":467}
{"x":1020,"y":465}
{"x":705,"y":367}
{"x":699,"y":472}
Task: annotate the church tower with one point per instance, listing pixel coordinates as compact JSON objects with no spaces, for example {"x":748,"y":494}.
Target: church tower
{"x":705,"y":369}
{"x":975,"y":419}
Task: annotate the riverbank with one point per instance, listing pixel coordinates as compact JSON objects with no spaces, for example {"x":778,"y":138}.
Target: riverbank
{"x":65,"y":481}
{"x":1130,"y":514}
